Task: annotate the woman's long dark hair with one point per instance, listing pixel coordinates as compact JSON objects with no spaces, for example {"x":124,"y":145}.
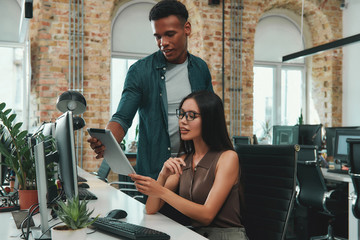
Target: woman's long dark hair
{"x":213,"y":128}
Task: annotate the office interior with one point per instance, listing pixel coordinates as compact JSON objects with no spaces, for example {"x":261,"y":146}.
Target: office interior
{"x":87,"y":46}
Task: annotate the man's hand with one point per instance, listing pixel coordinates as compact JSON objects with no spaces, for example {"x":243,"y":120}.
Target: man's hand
{"x":97,"y":146}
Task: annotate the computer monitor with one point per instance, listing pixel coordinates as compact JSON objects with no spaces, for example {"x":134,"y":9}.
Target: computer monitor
{"x":48,"y":129}
{"x":310,"y":135}
{"x":285,"y":135}
{"x":341,"y":148}
{"x":241,"y":140}
{"x":330,"y":138}
{"x":65,"y":144}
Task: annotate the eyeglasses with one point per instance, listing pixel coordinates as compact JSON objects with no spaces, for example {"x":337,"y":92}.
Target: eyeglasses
{"x":190,"y":115}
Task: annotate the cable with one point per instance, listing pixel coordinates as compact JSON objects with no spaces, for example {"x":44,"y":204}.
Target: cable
{"x":49,"y":229}
{"x":28,"y":218}
{"x":32,"y":213}
{"x":25,"y":219}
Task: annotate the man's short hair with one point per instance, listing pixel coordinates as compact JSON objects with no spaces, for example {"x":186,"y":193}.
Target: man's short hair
{"x":167,"y":8}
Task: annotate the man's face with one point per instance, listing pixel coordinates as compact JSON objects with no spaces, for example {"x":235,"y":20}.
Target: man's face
{"x":171,"y":37}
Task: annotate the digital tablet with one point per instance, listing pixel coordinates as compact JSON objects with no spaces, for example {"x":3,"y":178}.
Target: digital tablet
{"x":113,"y":153}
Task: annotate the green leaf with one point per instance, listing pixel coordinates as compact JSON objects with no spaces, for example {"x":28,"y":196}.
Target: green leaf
{"x":4,"y":151}
{"x":7,"y":111}
{"x":12,"y":117}
{"x":17,"y":126}
{"x":22,"y":134}
{"x":2,"y":106}
{"x":75,"y":213}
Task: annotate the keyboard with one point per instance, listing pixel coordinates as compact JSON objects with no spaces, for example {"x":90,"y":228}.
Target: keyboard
{"x":85,"y":194}
{"x":128,"y":230}
{"x":340,"y":171}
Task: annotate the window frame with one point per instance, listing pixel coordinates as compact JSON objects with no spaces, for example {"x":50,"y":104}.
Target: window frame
{"x":26,"y":79}
{"x":278,"y":67}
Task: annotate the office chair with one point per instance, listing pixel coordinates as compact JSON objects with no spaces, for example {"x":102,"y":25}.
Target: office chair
{"x":269,"y":180}
{"x":354,"y":172}
{"x":125,"y":185}
{"x":313,"y":192}
{"x":103,"y":171}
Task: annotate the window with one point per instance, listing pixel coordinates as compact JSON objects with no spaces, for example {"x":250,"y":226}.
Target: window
{"x":279,"y":88}
{"x":128,"y":45}
{"x":14,"y":63}
{"x":11,"y":68}
{"x":120,"y":66}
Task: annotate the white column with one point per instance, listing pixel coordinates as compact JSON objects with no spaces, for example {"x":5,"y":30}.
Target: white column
{"x":351,"y":63}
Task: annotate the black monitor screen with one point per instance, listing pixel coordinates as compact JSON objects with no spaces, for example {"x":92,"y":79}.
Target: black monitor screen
{"x":341,"y":150}
{"x":330,"y":138}
{"x":310,"y":135}
{"x":241,"y":140}
{"x":65,"y":144}
{"x":285,"y":135}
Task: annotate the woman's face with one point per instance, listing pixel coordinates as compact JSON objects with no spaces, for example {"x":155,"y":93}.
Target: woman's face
{"x":190,"y":128}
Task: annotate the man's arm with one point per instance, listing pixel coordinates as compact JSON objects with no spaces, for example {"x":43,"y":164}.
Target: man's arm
{"x":116,"y":130}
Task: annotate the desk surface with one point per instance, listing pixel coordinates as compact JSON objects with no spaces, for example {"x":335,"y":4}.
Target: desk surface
{"x":354,"y":228}
{"x":110,"y":198}
{"x":335,"y":176}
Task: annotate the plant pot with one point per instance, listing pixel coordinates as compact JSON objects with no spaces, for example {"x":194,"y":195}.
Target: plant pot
{"x":27,"y":198}
{"x":62,"y":232}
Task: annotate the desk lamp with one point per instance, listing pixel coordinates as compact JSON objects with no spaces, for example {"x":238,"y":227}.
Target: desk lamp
{"x":75,"y":102}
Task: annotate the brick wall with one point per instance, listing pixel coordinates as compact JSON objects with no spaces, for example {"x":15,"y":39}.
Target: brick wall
{"x":49,"y":53}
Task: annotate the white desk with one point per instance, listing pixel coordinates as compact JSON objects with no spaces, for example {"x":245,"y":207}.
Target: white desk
{"x":354,"y":227}
{"x":110,"y":198}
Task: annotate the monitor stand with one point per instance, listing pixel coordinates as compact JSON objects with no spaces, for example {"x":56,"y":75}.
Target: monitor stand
{"x":42,"y":232}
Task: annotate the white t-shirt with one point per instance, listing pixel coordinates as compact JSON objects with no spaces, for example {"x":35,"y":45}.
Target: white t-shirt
{"x":177,"y":87}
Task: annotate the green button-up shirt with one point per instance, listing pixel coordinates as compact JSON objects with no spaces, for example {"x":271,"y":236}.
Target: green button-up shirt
{"x":145,"y":90}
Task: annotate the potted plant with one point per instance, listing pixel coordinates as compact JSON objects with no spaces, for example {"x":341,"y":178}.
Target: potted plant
{"x":76,"y":217}
{"x":133,"y":144}
{"x":17,"y":152}
{"x":266,"y":137}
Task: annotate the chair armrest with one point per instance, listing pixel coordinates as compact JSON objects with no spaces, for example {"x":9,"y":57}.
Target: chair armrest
{"x":127,"y":190}
{"x":354,"y":175}
{"x":122,"y":183}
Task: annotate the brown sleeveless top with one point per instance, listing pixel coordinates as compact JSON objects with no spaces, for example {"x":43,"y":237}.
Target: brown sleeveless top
{"x":195,"y":186}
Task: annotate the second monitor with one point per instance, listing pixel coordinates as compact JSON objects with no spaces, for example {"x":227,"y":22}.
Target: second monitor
{"x":308,"y":134}
{"x":285,"y":135}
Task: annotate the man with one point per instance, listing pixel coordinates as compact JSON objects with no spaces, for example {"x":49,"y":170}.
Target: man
{"x":155,"y":86}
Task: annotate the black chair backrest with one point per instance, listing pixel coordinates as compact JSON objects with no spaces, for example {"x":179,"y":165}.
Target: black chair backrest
{"x":354,"y":164}
{"x":103,"y":171}
{"x":310,"y":179}
{"x":269,"y":180}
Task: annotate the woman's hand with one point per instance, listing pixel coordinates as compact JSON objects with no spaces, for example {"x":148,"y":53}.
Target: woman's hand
{"x":147,"y":185}
{"x":172,"y":166}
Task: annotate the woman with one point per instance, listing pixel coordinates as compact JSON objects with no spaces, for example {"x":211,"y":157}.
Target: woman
{"x":206,"y":176}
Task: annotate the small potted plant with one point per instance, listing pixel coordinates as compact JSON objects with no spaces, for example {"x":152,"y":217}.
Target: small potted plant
{"x":75,"y":216}
{"x":17,"y":152}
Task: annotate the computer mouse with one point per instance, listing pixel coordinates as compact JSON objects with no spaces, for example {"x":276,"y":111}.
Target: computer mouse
{"x":83,"y":185}
{"x":117,"y":214}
